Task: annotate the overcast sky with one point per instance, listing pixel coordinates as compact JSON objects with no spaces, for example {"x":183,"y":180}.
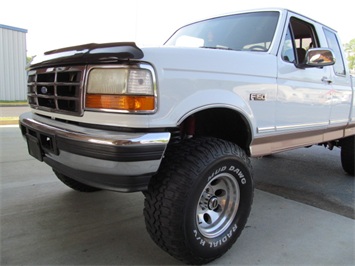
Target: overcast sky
{"x":54,"y":24}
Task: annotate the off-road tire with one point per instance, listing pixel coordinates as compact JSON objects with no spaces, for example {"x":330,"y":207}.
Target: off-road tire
{"x":198,"y":204}
{"x":78,"y":186}
{"x":348,"y":154}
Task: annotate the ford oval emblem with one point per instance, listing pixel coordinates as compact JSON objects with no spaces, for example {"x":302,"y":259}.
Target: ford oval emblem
{"x":44,"y":90}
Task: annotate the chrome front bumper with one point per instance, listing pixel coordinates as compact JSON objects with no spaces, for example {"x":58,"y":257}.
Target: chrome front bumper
{"x":102,"y":158}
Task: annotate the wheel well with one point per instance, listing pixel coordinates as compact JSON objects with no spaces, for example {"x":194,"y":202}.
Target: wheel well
{"x":220,"y":123}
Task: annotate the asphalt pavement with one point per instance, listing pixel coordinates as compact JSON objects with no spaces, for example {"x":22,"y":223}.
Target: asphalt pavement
{"x":313,"y":176}
{"x":303,"y":214}
{"x":9,"y":114}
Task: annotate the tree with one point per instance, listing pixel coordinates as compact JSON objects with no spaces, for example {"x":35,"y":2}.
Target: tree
{"x":350,"y":50}
{"x":29,"y":59}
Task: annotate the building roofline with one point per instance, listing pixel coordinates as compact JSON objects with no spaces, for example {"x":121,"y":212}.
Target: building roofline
{"x":2,"y":26}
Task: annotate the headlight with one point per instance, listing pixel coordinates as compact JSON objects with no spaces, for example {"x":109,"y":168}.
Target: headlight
{"x":123,"y":89}
{"x":107,"y":81}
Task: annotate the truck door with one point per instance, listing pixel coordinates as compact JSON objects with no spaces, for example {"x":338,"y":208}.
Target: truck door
{"x":303,"y":97}
{"x":341,"y":93}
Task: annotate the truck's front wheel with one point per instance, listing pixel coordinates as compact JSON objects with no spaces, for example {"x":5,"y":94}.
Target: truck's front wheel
{"x":199,"y":202}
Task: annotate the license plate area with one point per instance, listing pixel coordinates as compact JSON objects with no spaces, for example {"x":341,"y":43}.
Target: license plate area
{"x":40,"y":144}
{"x":34,"y":147}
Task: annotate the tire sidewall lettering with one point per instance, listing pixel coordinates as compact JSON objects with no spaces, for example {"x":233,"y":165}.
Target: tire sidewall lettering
{"x":204,"y":242}
{"x":242,"y":175}
{"x":238,"y":171}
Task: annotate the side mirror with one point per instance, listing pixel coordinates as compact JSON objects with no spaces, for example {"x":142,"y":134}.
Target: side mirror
{"x":319,"y":57}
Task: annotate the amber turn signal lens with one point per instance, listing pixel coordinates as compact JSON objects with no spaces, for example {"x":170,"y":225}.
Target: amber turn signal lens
{"x":120,"y":102}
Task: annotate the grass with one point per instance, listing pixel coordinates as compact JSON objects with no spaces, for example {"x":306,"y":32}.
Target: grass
{"x":13,"y":103}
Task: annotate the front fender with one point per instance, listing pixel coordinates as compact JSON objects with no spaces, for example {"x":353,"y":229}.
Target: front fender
{"x":190,"y":80}
{"x":209,"y":99}
{"x":176,"y":111}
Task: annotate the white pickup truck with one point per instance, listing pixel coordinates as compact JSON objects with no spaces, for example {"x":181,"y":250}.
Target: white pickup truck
{"x":179,"y":122}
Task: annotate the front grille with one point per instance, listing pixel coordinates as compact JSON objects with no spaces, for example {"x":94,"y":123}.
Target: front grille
{"x":58,"y":90}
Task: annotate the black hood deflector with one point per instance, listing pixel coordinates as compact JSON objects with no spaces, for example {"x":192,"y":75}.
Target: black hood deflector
{"x":92,"y":53}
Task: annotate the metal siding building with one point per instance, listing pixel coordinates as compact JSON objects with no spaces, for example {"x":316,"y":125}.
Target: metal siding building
{"x":13,"y":75}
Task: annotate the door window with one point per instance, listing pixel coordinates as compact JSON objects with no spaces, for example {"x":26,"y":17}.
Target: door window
{"x":300,"y":37}
{"x":333,"y":44}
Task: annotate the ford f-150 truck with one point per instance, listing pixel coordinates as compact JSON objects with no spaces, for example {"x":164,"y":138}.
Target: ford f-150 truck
{"x":179,"y":122}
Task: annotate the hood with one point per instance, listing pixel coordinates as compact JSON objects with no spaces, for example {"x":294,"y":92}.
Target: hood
{"x":167,"y":59}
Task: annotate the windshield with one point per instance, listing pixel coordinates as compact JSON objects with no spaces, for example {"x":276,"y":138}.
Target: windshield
{"x":247,"y":31}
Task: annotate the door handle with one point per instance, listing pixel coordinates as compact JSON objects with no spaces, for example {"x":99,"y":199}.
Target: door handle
{"x":326,"y":80}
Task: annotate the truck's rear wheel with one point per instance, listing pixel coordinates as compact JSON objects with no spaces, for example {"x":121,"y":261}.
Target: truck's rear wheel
{"x":78,"y":186}
{"x":348,"y":154}
{"x":198,"y":204}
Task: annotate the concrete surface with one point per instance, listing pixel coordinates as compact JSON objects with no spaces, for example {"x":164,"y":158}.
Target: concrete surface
{"x":45,"y":223}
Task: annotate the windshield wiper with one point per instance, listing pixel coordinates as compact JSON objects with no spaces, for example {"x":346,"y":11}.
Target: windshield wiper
{"x":220,"y":47}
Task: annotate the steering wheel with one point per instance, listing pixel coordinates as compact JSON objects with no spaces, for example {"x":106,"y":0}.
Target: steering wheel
{"x":257,"y":48}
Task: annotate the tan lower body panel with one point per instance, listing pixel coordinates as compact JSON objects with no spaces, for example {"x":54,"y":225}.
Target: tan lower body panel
{"x":286,"y":141}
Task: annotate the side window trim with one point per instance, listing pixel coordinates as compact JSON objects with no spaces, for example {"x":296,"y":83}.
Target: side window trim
{"x":284,"y":56}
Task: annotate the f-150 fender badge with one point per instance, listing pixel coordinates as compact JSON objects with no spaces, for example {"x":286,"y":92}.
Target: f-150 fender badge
{"x":257,"y":97}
